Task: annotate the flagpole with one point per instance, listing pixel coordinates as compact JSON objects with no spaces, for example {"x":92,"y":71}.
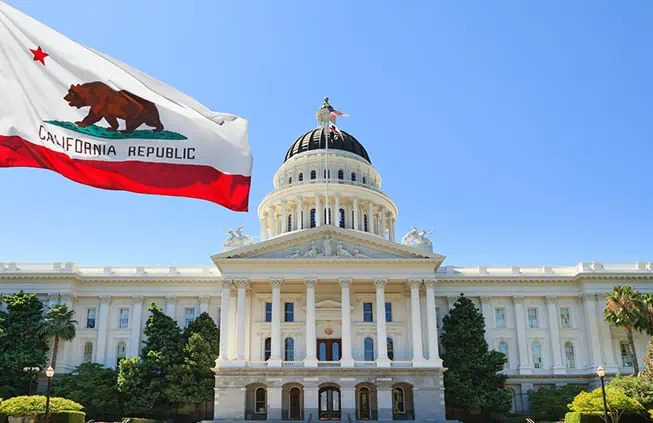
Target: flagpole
{"x":327,"y":218}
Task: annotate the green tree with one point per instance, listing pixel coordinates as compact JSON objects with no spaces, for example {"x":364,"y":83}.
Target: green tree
{"x":93,"y":386}
{"x":618,"y":403}
{"x":144,"y":380}
{"x":551,"y":403}
{"x":647,"y":373}
{"x":472,"y":380}
{"x":645,"y":324}
{"x":24,"y":316}
{"x":60,"y":325}
{"x":638,"y":388}
{"x":206,"y":327}
{"x":623,"y":309}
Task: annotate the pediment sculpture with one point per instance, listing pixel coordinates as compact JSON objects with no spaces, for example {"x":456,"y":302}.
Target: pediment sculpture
{"x":325,"y":248}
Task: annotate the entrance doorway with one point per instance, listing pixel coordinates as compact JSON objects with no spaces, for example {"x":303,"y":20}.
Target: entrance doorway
{"x":329,"y":403}
{"x":328,"y":349}
{"x":364,"y":404}
{"x":295,"y":404}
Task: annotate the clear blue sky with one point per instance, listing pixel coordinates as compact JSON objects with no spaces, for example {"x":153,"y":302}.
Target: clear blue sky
{"x":519,"y":132}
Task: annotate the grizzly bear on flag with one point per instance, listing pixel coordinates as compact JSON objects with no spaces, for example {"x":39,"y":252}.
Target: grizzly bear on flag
{"x":107,"y":103}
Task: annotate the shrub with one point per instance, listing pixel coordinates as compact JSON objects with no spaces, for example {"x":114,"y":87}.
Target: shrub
{"x":638,"y":388}
{"x":65,"y":417}
{"x":35,"y":404}
{"x":618,"y":403}
{"x":550,"y":403}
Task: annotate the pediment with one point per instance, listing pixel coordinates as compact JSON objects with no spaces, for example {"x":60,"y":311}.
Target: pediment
{"x":328,"y":242}
{"x":328,"y":304}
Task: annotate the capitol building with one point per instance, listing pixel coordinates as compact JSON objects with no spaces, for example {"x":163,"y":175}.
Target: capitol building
{"x":331,"y":315}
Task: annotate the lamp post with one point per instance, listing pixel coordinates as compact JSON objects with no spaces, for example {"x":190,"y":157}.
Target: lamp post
{"x":49,"y":372}
{"x":30,"y":374}
{"x":601,"y":373}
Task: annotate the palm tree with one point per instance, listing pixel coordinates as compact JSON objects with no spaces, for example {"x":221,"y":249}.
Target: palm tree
{"x":58,"y":324}
{"x":623,"y":308}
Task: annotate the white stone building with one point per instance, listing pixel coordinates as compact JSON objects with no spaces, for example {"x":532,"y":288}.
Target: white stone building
{"x":330,"y":317}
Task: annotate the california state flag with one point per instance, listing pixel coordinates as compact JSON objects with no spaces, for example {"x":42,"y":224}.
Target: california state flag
{"x":97,"y":121}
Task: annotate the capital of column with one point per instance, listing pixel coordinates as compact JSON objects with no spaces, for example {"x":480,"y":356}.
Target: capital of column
{"x":54,"y":298}
{"x":225,"y":283}
{"x":241,"y":283}
{"x":588,"y":297}
{"x":68,"y":298}
{"x":204,"y":299}
{"x":414,"y":283}
{"x":105,"y":299}
{"x":551,"y":298}
{"x":485,"y":300}
{"x":276,"y":283}
{"x":517,"y":298}
{"x":430,"y":283}
{"x":345,"y":283}
{"x":171,"y":298}
{"x":137,"y":299}
{"x":380,"y":283}
{"x":310,"y":283}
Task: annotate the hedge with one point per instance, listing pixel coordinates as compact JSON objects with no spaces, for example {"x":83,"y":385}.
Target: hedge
{"x":140,"y":420}
{"x":64,"y":417}
{"x":26,"y":406}
{"x":575,"y":417}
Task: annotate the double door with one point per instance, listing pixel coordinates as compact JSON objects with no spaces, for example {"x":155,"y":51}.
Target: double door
{"x":328,"y":349}
{"x":329,"y":403}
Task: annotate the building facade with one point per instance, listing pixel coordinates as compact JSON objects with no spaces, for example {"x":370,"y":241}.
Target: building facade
{"x":329,"y":316}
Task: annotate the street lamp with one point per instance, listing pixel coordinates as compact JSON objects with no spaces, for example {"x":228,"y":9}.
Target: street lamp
{"x":30,"y":371}
{"x":601,"y":373}
{"x":49,"y":372}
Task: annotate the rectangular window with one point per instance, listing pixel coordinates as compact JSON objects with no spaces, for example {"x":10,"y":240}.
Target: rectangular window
{"x":532,"y":318}
{"x":565,"y":317}
{"x":367,"y":312}
{"x":90,"y":318}
{"x":626,"y":357}
{"x":289,"y":312}
{"x":189,"y":316}
{"x":388,"y":312}
{"x":124,"y":318}
{"x":268,"y":312}
{"x":500,"y":317}
{"x":438,"y":317}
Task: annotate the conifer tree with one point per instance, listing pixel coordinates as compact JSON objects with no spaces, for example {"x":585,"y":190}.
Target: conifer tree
{"x":472,"y":380}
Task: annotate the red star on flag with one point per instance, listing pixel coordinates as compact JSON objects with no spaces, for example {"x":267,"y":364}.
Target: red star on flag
{"x":39,"y":55}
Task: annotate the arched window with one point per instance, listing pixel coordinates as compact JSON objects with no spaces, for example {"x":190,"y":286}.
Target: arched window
{"x":312,"y":218}
{"x":88,"y":352}
{"x":369,"y":349}
{"x":353,"y":176}
{"x":341,"y":174}
{"x":364,"y":180}
{"x":503,"y":348}
{"x":536,"y":351}
{"x":290,"y":350}
{"x":313,"y":174}
{"x":267,"y":350}
{"x":569,"y":355}
{"x":121,"y":352}
{"x":300,"y":177}
{"x":398,"y":400}
{"x":391,"y":349}
{"x":261,"y":403}
{"x":289,"y":225}
{"x":341,"y":218}
{"x":289,"y":180}
{"x":365,"y":226}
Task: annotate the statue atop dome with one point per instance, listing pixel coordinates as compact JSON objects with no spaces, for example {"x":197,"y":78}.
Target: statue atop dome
{"x":326,"y":115}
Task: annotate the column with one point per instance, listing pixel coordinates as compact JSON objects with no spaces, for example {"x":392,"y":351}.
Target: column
{"x":383,"y":222}
{"x":171,"y":302}
{"x":318,"y":211}
{"x":356,"y":215}
{"x":336,"y":215}
{"x":370,"y":217}
{"x":284,"y":217}
{"x":485,"y":310}
{"x":224,"y":321}
{"x":311,"y":357}
{"x":233,"y":322}
{"x":346,"y":360}
{"x":204,"y":303}
{"x":381,"y":330}
{"x":295,"y":217}
{"x":263,"y":231}
{"x":136,"y":318}
{"x":431,"y":325}
{"x":611,"y":365}
{"x":522,"y":341}
{"x":589,"y":306}
{"x":554,"y":333}
{"x":416,"y":321}
{"x":275,"y":353}
{"x":241,"y":315}
{"x":270,"y":228}
{"x":301,"y":215}
{"x":103,"y":324}
{"x":392,"y":228}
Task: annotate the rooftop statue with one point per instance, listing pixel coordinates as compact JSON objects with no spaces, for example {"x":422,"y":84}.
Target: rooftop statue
{"x":415,"y":237}
{"x":238,"y":238}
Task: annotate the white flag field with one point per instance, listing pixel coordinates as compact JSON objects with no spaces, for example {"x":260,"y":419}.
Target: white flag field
{"x":99,"y":122}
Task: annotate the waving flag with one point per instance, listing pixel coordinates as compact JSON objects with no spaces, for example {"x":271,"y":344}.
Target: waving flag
{"x":99,"y":122}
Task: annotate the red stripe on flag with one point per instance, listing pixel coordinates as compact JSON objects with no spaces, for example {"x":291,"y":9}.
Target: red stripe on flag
{"x":182,"y":180}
